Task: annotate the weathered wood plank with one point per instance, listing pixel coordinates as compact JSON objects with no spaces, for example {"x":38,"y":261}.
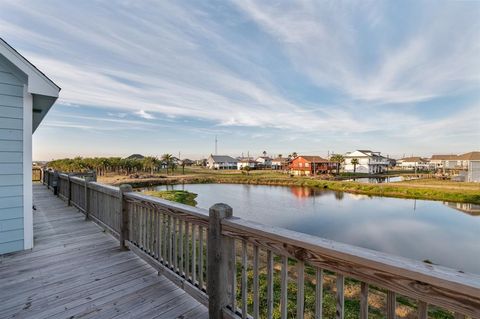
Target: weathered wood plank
{"x":300,"y":289}
{"x":256,"y":286}
{"x":318,"y":293}
{"x":219,"y":249}
{"x":340,"y":296}
{"x":284,"y":288}
{"x":422,"y":310}
{"x":269,"y":284}
{"x":363,"y":300}
{"x":201,"y":258}
{"x":391,"y":305}
{"x":187,"y":250}
{"x":244,"y":280}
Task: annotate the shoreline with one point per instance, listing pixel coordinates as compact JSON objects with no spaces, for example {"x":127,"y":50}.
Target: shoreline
{"x":396,"y":190}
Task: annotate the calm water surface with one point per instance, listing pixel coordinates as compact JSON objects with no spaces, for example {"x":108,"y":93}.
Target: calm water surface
{"x":446,"y":234}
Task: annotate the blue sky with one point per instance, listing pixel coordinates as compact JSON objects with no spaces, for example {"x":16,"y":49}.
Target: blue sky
{"x":400,"y":77}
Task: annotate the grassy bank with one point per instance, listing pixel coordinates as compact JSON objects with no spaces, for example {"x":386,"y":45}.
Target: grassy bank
{"x":178,"y":196}
{"x":430,"y":189}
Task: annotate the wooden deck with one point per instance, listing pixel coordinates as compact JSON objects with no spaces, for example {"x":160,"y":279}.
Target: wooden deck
{"x":78,"y":271}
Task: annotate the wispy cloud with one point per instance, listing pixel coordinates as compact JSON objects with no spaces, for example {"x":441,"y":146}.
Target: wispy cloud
{"x":145,"y":115}
{"x":328,"y":41}
{"x":342,"y":70}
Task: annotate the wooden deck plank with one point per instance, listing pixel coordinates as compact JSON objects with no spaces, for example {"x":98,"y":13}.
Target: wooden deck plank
{"x":128,"y":304}
{"x":77,"y":270}
{"x":82,"y":281}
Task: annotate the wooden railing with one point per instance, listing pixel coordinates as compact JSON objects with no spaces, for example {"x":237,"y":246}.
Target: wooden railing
{"x":243,"y":269}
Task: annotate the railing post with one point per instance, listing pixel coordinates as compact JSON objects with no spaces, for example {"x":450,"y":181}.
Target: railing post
{"x":219,"y":261}
{"x":124,"y":232}
{"x":69,"y":193}
{"x":87,"y":197}
{"x":55,"y":183}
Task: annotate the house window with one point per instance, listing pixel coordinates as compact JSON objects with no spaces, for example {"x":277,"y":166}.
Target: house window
{"x":307,"y":164}
{"x":300,"y":164}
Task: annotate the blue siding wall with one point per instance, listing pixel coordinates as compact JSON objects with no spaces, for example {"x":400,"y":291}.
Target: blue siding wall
{"x":11,"y":160}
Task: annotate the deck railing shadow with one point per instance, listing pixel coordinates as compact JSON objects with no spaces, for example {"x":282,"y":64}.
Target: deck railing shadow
{"x":243,"y":269}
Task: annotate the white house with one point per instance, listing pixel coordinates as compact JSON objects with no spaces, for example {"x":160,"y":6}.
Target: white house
{"x":368,"y":162}
{"x":26,"y":95}
{"x":221,"y":162}
{"x":280,"y":163}
{"x":471,"y":161}
{"x":241,"y":164}
{"x":264,"y":161}
{"x":415,"y":163}
{"x":445,"y":161}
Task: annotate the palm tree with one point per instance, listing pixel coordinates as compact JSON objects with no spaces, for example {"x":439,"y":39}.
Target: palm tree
{"x":294,"y":154}
{"x":354,"y":162}
{"x":264,"y":153}
{"x":339,"y":159}
{"x":168,"y":160}
{"x":149,"y":163}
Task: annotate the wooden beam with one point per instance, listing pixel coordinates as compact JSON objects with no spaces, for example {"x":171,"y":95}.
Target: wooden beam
{"x":124,"y":231}
{"x":218,"y":253}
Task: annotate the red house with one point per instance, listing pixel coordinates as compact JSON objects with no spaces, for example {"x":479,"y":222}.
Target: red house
{"x":305,"y":165}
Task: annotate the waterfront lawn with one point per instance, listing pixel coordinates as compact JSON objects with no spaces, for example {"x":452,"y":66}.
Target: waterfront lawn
{"x":429,"y":189}
{"x":178,"y":196}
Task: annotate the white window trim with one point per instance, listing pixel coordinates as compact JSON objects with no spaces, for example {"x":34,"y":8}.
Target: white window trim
{"x":27,"y":169}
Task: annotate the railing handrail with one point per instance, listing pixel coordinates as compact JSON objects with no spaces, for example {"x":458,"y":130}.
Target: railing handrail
{"x":189,"y":212}
{"x":428,"y":273}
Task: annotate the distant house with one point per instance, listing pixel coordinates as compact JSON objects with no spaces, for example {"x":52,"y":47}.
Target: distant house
{"x":201,"y":162}
{"x":306,"y":165}
{"x":264,"y":161}
{"x":186,"y":162}
{"x":26,"y":95}
{"x":415,"y":163}
{"x":280,"y":163}
{"x":241,"y":164}
{"x":472,"y":162}
{"x":136,"y":157}
{"x":221,"y":162}
{"x":368,"y":162}
{"x":445,"y":161}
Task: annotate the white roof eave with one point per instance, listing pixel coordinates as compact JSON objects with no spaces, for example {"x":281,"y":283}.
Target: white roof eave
{"x":38,"y":83}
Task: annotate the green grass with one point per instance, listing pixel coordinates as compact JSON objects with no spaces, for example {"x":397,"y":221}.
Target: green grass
{"x":403,"y":190}
{"x":430,"y":189}
{"x":178,"y":196}
{"x":352,"y":303}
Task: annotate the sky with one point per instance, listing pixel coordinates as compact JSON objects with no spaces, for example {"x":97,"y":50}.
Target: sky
{"x":312,"y":77}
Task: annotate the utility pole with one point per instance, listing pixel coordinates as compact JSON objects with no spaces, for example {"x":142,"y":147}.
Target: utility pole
{"x":216,"y":145}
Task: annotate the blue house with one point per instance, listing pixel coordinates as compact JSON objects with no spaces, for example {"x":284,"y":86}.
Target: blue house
{"x":26,"y":95}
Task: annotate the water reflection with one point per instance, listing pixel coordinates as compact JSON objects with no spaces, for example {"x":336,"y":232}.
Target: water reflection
{"x":378,"y":180}
{"x":416,"y":229}
{"x":471,"y":209}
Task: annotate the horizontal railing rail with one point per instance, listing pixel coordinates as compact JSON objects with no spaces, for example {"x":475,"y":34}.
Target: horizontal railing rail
{"x":243,"y":269}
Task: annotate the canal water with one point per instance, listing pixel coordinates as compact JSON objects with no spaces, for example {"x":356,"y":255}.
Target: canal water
{"x":445,"y":234}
